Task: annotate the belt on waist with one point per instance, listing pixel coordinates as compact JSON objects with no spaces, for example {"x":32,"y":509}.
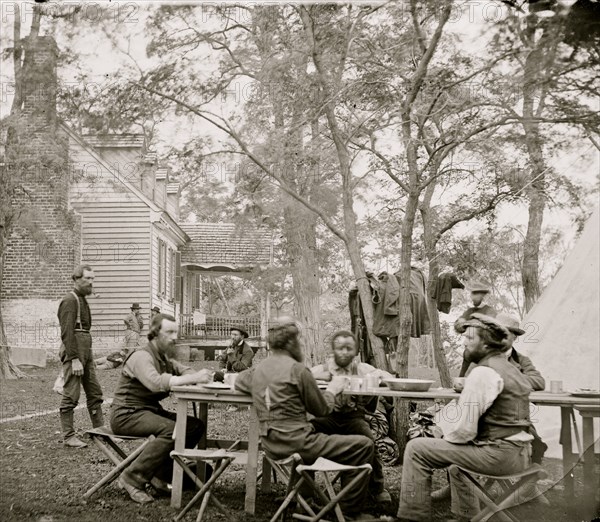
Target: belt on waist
{"x":81,"y":330}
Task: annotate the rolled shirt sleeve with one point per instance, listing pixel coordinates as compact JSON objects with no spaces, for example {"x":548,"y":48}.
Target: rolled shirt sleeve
{"x":482,"y":387}
{"x":141,"y":366}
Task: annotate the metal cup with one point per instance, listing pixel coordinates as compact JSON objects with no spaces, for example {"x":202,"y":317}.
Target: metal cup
{"x":372,"y":381}
{"x":355,"y":383}
{"x":556,"y":386}
{"x":230,"y":379}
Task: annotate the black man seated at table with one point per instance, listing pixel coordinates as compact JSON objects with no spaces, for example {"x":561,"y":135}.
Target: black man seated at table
{"x":284,"y":391}
{"x":490,"y":434}
{"x":148,"y":374}
{"x":348,"y":416}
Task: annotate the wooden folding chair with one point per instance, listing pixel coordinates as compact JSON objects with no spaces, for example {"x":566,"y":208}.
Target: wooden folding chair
{"x":220,"y":460}
{"x":107,"y":442}
{"x":300,"y":474}
{"x":513,"y":487}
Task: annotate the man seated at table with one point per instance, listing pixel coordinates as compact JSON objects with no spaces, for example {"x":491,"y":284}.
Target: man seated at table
{"x":284,"y":391}
{"x":238,"y":356}
{"x":147,"y":376}
{"x":538,"y":383}
{"x":348,"y":416}
{"x":489,"y":436}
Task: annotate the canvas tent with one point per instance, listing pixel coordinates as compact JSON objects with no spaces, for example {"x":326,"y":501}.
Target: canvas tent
{"x":563,"y":331}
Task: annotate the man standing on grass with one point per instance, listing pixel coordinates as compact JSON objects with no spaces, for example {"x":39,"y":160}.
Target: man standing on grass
{"x":76,"y":356}
{"x":478,"y":293}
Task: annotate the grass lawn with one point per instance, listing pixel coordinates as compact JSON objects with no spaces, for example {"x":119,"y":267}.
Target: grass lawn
{"x":43,"y":481}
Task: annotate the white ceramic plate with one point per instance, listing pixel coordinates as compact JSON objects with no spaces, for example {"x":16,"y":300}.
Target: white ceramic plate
{"x":217,"y":386}
{"x":585,"y":393}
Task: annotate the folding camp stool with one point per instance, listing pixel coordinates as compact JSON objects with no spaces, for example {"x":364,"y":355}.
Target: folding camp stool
{"x":107,"y":442}
{"x":512,"y":493}
{"x":300,"y":474}
{"x":220,"y":460}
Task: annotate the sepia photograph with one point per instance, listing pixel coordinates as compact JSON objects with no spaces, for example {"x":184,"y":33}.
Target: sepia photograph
{"x":322,"y":261}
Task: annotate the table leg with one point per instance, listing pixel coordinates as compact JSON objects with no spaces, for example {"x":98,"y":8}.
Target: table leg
{"x":267,"y":471}
{"x":252,"y":466}
{"x":203,"y":416}
{"x":180,"y":429}
{"x":567,"y":449}
{"x":589,"y":479}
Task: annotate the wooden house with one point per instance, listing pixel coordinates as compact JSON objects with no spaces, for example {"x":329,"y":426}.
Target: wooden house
{"x":117,"y":210}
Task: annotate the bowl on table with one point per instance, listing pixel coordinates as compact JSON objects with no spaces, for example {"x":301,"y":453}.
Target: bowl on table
{"x":420,"y":385}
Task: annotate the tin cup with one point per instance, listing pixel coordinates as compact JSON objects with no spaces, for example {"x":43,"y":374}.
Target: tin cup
{"x":372,"y":381}
{"x":556,"y":386}
{"x":355,"y":383}
{"x":230,"y":379}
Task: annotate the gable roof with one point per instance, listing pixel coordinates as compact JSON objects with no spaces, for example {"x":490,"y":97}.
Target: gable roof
{"x":121,"y":179}
{"x":226,"y":244}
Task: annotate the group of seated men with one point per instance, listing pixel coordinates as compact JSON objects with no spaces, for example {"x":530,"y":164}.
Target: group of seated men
{"x":492,"y":434}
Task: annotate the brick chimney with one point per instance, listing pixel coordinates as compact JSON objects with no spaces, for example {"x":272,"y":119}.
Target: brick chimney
{"x":39,"y":87}
{"x":44,"y":243}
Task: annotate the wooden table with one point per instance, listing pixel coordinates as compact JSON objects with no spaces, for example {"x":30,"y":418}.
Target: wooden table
{"x":565,"y":401}
{"x":204,"y":397}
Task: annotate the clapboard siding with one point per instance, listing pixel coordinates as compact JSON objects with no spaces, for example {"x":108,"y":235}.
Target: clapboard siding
{"x":115,"y":240}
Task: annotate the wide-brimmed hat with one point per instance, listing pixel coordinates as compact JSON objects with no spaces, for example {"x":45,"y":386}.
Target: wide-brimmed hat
{"x":135,"y":306}
{"x":240,"y":329}
{"x":511,"y":323}
{"x":478,"y":286}
{"x":156,"y":309}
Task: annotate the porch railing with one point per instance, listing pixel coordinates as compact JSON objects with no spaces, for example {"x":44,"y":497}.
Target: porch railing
{"x":217,"y":326}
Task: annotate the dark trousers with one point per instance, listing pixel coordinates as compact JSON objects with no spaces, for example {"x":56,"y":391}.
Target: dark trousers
{"x":154,"y":461}
{"x":89,"y":381}
{"x":340,"y":424}
{"x":352,"y":450}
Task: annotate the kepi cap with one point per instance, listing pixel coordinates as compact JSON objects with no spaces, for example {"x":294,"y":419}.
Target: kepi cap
{"x":511,"y":323}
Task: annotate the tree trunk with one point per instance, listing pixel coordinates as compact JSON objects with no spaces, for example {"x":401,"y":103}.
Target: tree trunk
{"x":436,"y":333}
{"x":301,"y":239}
{"x":540,"y":57}
{"x":430,"y":239}
{"x":401,"y":409}
{"x":7,"y":369}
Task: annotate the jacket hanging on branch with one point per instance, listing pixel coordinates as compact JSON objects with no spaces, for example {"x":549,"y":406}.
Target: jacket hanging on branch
{"x":441,"y":291}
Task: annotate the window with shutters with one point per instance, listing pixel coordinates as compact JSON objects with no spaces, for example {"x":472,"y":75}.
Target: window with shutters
{"x":196,"y":292}
{"x":178,"y":292}
{"x":161,"y":263}
{"x":169,"y":275}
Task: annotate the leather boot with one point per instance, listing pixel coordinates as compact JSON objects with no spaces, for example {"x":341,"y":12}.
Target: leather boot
{"x":97,"y":417}
{"x":66,"y":421}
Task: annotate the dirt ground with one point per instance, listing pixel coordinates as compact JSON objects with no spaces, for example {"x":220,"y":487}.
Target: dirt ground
{"x":41,"y":480}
